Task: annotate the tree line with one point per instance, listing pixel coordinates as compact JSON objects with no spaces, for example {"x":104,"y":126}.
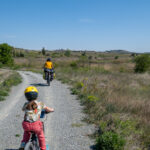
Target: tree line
{"x":142,"y":62}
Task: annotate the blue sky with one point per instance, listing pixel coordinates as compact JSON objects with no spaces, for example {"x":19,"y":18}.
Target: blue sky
{"x":76,"y":24}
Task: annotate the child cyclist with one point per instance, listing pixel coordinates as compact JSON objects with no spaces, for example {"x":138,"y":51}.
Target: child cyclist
{"x":32,"y":122}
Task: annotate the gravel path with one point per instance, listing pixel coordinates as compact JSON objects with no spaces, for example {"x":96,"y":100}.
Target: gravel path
{"x":64,"y":129}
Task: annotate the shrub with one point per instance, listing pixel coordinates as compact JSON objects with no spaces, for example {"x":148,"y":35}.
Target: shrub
{"x":73,"y":65}
{"x":133,"y":54}
{"x":21,"y":54}
{"x":79,"y":85}
{"x":90,"y":57}
{"x":110,"y":141}
{"x":142,"y":63}
{"x":67,"y":53}
{"x":92,"y":98}
{"x":83,"y":54}
{"x":116,"y":57}
{"x":74,"y":91}
{"x":6,"y":54}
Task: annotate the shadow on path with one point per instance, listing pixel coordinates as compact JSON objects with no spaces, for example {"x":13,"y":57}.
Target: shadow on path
{"x":93,"y":147}
{"x":39,"y":84}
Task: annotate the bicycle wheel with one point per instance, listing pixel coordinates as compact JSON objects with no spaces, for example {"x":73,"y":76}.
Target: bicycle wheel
{"x":31,"y":146}
{"x":48,"y":79}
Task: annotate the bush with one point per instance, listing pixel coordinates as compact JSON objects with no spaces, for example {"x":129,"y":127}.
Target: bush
{"x":83,"y":54}
{"x":73,"y":65}
{"x":92,"y":98}
{"x":110,"y":141}
{"x":6,"y":54}
{"x":79,"y":85}
{"x":142,"y":63}
{"x":116,"y":57}
{"x":90,"y":57}
{"x":74,"y":91}
{"x":21,"y":54}
{"x":133,"y":54}
{"x":67,"y":53}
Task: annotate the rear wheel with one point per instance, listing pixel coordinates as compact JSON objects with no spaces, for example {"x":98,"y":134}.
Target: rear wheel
{"x":48,"y":79}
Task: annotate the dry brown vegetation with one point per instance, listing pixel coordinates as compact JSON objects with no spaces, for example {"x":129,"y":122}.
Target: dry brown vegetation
{"x":114,"y":96}
{"x":4,"y":73}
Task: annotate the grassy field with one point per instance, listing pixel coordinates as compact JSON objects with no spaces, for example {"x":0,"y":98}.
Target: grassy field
{"x":8,"y":79}
{"x":115,"y":99}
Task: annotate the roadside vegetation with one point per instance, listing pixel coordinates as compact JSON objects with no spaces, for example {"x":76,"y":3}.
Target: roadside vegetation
{"x":8,"y":78}
{"x":112,"y":87}
{"x":13,"y":79}
{"x":115,"y":98}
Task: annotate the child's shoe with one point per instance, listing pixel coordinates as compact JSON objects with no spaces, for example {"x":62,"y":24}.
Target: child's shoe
{"x":22,"y":146}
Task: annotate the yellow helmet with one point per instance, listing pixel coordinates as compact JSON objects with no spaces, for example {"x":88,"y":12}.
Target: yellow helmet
{"x":31,"y":93}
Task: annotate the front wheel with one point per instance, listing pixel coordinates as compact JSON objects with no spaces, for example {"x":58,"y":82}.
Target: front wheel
{"x":29,"y":146}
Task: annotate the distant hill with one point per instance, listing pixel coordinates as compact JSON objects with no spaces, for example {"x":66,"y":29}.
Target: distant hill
{"x":119,"y":51}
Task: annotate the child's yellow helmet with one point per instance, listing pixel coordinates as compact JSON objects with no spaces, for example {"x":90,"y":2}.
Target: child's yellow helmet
{"x":31,"y":93}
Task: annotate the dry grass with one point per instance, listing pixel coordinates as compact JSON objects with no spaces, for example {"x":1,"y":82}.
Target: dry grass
{"x":4,"y":74}
{"x":109,"y":87}
{"x":123,"y":93}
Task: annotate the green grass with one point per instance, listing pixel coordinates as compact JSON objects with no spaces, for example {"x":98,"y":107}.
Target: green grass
{"x":76,"y":125}
{"x":12,"y":80}
{"x":17,"y":135}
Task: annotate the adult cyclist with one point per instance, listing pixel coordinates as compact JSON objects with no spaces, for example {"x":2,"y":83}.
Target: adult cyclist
{"x":48,"y":66}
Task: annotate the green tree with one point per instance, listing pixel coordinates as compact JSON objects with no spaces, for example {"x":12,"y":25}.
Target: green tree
{"x":116,"y":57}
{"x":43,"y":51}
{"x":142,"y":63}
{"x":67,"y":53}
{"x":6,"y":54}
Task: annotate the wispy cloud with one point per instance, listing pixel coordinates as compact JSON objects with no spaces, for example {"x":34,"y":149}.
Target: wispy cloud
{"x":86,"y":20}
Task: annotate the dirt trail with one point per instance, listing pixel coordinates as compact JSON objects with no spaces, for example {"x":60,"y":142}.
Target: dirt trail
{"x":64,"y":128}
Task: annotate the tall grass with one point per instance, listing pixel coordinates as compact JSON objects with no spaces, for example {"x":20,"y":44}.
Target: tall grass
{"x":5,"y":86}
{"x":114,"y":98}
{"x":106,"y":93}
